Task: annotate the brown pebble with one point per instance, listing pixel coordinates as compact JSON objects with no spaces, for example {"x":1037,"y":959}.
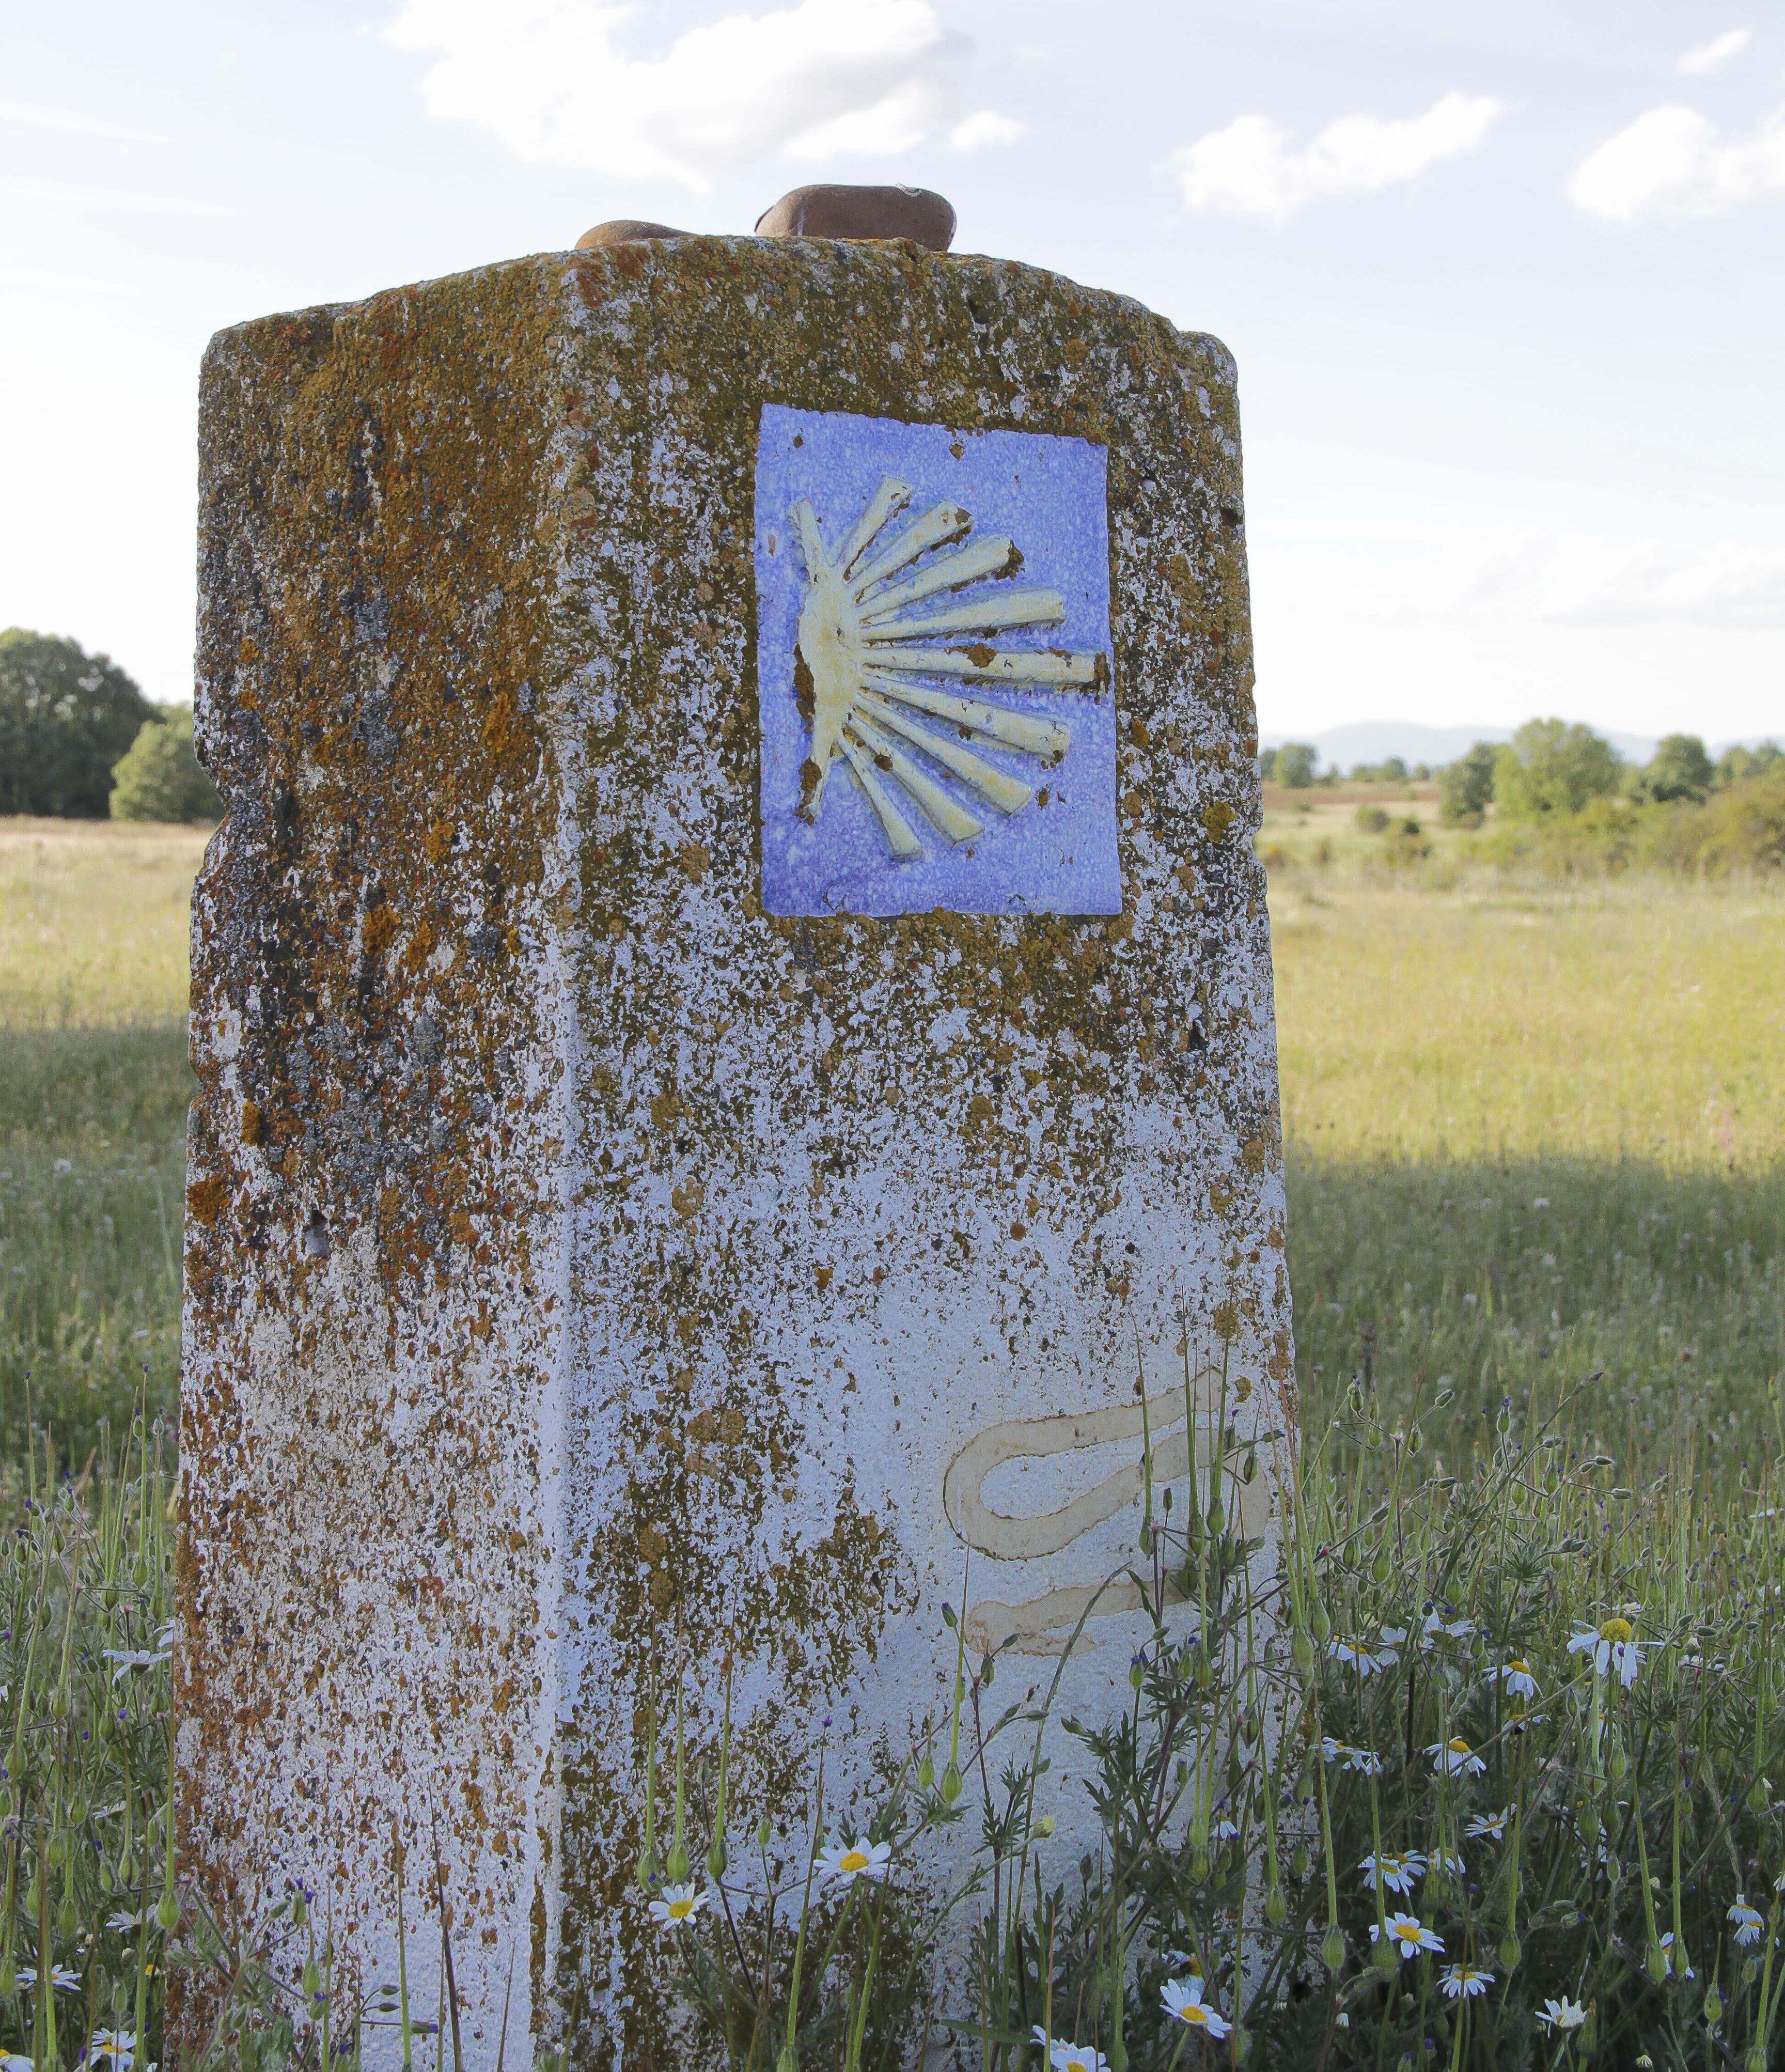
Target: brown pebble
{"x":845,"y":211}
{"x":624,"y":230}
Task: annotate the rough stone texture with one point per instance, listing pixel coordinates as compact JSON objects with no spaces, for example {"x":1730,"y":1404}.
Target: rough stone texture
{"x":577,"y":1256}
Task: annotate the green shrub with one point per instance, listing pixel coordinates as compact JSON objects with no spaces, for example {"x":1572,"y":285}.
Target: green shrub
{"x":1549,"y":768}
{"x":1466,"y":787}
{"x":1372,"y":820}
{"x":1295,"y":762}
{"x":66,"y":717}
{"x":1679,"y":769}
{"x":160,"y":778}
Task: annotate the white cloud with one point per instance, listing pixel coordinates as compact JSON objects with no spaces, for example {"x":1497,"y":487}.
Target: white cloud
{"x":811,"y":80}
{"x":35,"y":116}
{"x":1247,"y":169}
{"x":1583,"y":579}
{"x":1707,"y":57}
{"x":104,"y":201}
{"x":973,"y":133}
{"x":1674,"y":162}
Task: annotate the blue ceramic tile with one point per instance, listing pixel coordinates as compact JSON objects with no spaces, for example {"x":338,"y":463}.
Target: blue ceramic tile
{"x":1056,"y":853}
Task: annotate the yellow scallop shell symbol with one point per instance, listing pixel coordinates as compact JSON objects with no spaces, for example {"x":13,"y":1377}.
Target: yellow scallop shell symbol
{"x":875,"y":629}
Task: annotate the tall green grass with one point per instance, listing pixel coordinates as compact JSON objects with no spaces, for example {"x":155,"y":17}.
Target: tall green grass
{"x":92,"y":1196}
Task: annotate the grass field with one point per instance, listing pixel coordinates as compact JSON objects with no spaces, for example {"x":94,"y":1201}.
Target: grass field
{"x":1532,"y":1136}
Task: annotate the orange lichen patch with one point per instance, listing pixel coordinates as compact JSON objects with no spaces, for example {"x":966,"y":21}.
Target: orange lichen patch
{"x":206,"y":1198}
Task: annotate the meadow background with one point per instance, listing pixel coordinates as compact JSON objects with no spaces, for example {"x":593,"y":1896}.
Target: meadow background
{"x":1534,"y":1128}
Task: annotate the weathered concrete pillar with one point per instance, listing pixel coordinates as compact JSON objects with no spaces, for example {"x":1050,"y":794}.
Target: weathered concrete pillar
{"x":733,"y":1012}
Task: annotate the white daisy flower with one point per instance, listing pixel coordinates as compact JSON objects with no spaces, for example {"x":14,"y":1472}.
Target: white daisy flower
{"x":1455,"y":1758}
{"x":13,"y":2062}
{"x":847,"y":1861}
{"x":1360,"y":1760}
{"x":1564,"y":2013}
{"x":1394,"y":1639}
{"x":1182,"y":2000}
{"x":1223,"y":1831}
{"x":1515,"y":1674}
{"x":1409,"y":1934}
{"x":1447,"y":1859}
{"x":1613,"y":1648}
{"x":1667,"y":1944}
{"x":61,"y":1978}
{"x":1070,"y":2057}
{"x":1357,"y":1656}
{"x":678,"y":1903}
{"x":1491,"y":1826}
{"x":116,"y":2046}
{"x":1749,"y":1924}
{"x":1398,"y":1872}
{"x":1464,"y":1982}
{"x":137,"y":1659}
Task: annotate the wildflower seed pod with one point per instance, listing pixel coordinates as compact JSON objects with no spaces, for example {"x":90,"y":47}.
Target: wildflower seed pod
{"x":1657,"y":1964}
{"x":1384,"y":1958}
{"x":1510,"y":1953}
{"x":77,"y":1812}
{"x":1238,"y":2044}
{"x":1319,"y":1624}
{"x":1760,"y":1794}
{"x":1276,"y":1906}
{"x":1619,"y":1765}
{"x":1416,"y":1440}
{"x":1444,"y":1399}
{"x":167,"y":1911}
{"x":926,"y":1775}
{"x":9,"y":1977}
{"x":1300,"y":1860}
{"x":1248,"y":1467}
{"x":34,"y":1895}
{"x":106,"y":1881}
{"x":1217,"y":1518}
{"x":69,"y":1918}
{"x":1354,"y":1395}
{"x":1199,"y":1866}
{"x":1713,"y":2006}
{"x":1301,"y":1651}
{"x":1756,"y":2059}
{"x":676,"y":1869}
{"x":786,"y":2062}
{"x":764,"y":1832}
{"x":59,"y":1848}
{"x":951,"y":1785}
{"x":1382,"y":1566}
{"x":1332,"y":1947}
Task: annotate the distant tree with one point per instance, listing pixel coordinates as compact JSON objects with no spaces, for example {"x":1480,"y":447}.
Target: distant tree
{"x":1420,"y":772}
{"x":66,"y":717}
{"x":159,"y":779}
{"x":1549,"y":767}
{"x":1267,"y":763}
{"x":1736,"y":763}
{"x":1466,"y":787}
{"x":1679,"y":769}
{"x":1295,"y":762}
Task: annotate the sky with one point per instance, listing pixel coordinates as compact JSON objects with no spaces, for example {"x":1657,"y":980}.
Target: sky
{"x":1505,"y":281}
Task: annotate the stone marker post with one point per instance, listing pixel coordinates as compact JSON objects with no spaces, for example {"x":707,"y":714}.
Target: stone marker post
{"x":734,"y":1015}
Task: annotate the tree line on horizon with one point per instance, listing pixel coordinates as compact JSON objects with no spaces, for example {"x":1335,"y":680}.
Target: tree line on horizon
{"x":1549,"y":766}
{"x":1561,"y":795}
{"x":79,"y":740}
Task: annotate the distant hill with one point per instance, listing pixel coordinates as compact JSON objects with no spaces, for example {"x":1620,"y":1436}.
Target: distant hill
{"x":1376,"y":740}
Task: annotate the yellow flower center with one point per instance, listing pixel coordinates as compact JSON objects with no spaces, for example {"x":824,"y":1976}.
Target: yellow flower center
{"x":679,"y":1909}
{"x":1194,"y":2011}
{"x":1460,"y":1748}
{"x":852,"y":1859}
{"x":1407,"y":1930}
{"x":1519,"y":1669}
{"x":1616,"y":1629}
